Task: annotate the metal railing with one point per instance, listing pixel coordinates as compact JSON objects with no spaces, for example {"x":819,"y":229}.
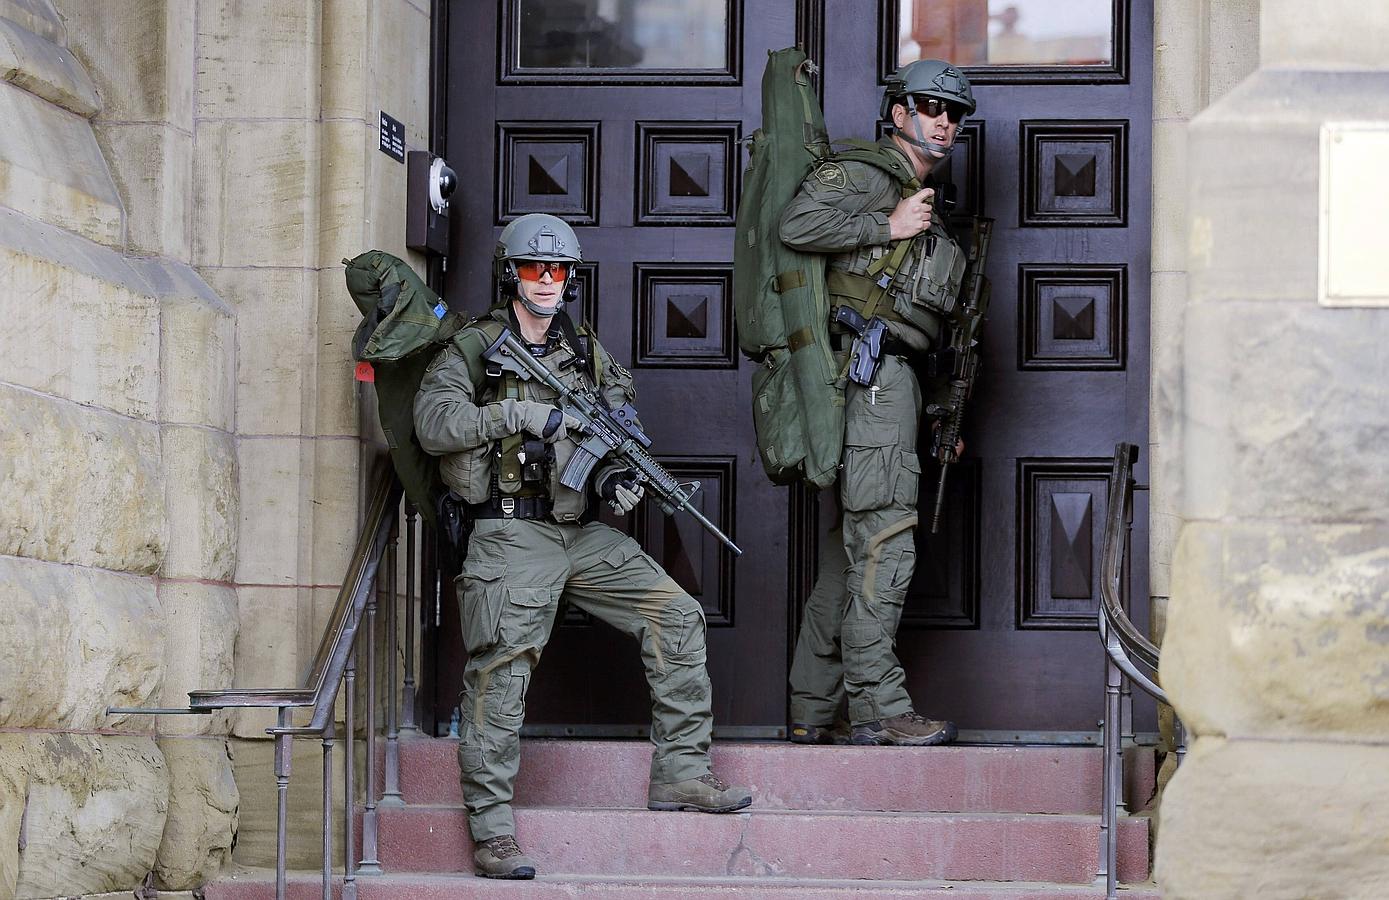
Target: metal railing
{"x":351,"y":631}
{"x":1129,"y":657}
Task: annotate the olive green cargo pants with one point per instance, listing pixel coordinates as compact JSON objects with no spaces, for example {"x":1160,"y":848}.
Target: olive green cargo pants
{"x":846,"y":640}
{"x":511,"y":585}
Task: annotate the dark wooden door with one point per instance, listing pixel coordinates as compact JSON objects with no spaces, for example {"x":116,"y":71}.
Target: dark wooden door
{"x":999,"y":629}
{"x":624,"y":117}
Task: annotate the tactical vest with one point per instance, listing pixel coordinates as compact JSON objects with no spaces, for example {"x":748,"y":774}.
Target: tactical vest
{"x":911,"y":283}
{"x":501,"y":470}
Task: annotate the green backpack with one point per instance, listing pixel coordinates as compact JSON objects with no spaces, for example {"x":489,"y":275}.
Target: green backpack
{"x":780,"y":302}
{"x":404,"y":324}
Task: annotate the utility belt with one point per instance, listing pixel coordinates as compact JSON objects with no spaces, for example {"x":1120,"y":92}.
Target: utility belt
{"x":842,"y":340}
{"x":512,"y":508}
{"x":940,"y":363}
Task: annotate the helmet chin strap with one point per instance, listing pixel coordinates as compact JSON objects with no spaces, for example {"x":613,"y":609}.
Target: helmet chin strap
{"x":937,"y":151}
{"x":536,"y":309}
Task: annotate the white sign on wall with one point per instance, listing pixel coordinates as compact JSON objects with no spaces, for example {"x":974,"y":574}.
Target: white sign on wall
{"x":1353,"y":265}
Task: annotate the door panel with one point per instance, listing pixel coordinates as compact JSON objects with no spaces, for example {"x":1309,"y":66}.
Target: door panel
{"x":998,"y":630}
{"x":645,"y":160}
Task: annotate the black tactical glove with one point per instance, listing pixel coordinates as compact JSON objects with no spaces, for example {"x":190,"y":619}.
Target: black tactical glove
{"x":622,"y":491}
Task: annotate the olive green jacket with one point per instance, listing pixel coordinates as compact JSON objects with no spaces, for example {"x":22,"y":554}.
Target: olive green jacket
{"x":842,"y":209}
{"x":462,"y":414}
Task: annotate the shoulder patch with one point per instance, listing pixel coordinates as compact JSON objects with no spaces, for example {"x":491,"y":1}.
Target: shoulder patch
{"x":832,"y":175}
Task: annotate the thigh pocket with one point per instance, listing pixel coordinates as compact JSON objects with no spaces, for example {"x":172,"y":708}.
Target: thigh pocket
{"x":870,"y":475}
{"x":481,"y":598}
{"x":525,"y":612}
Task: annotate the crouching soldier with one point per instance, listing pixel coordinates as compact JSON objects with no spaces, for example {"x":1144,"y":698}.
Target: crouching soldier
{"x":504,"y":443}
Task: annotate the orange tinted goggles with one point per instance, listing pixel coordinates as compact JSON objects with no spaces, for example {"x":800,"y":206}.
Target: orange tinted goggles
{"x":532,"y":269}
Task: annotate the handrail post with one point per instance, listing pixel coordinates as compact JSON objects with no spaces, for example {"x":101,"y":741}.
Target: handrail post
{"x":411,"y":622}
{"x":349,"y":783}
{"x":391,"y":795}
{"x":328,"y":741}
{"x":1113,"y":776}
{"x":282,"y":765}
{"x":370,"y":865}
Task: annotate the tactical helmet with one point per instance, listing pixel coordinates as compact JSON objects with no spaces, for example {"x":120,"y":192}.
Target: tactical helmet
{"x":928,"y":78}
{"x":535,"y":236}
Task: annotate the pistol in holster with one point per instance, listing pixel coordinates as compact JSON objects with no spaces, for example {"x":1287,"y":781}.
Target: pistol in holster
{"x":866,"y":354}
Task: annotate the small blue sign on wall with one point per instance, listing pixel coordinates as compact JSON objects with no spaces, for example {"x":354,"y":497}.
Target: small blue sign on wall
{"x":393,"y":138}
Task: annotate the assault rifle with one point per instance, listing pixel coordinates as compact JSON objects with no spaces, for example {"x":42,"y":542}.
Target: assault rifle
{"x":960,"y":361}
{"x":607,"y":432}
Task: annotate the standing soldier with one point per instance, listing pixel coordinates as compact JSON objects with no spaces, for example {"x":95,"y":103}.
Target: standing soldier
{"x":892,"y":260}
{"x":504,"y":443}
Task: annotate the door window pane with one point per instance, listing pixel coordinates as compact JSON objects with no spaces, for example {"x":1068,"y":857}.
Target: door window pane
{"x":1007,"y":32}
{"x":622,"y":34}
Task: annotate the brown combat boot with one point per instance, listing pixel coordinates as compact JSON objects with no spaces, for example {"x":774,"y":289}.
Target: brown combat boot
{"x":838,"y":733}
{"x":906,"y":730}
{"x":707,"y":793}
{"x":501,"y":857}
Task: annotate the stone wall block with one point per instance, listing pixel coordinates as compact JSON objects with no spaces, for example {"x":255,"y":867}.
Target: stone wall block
{"x":386,"y":205}
{"x":56,"y":314}
{"x":45,"y":69}
{"x":153,"y":168}
{"x":275,"y":309}
{"x":1178,"y":34}
{"x":197,"y":359}
{"x":124,"y":48}
{"x":1253,"y":191}
{"x":97,"y":806}
{"x":336,"y":508}
{"x":52,"y":169}
{"x":203,"y":813}
{"x":257,"y":58}
{"x":257,"y":183}
{"x":78,"y":485}
{"x":1277,"y":821}
{"x":200,"y":500}
{"x":1296,"y":36}
{"x":14,"y":788}
{"x":276,"y":476}
{"x":335,"y":401}
{"x":268,"y":648}
{"x":345,"y":50}
{"x":253,"y":762}
{"x":1280,"y":629}
{"x":74,"y":640}
{"x":1169,"y":206}
{"x":1281,"y":402}
{"x":399,"y":64}
{"x":38,"y":16}
{"x":342,"y":203}
{"x":201,"y":622}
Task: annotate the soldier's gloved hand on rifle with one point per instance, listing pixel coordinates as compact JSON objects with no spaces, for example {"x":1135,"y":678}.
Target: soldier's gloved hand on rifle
{"x":622,"y":491}
{"x":549,"y":423}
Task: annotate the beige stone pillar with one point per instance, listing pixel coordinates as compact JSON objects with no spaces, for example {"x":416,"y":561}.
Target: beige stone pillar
{"x":1279,"y":629}
{"x":1201,"y":49}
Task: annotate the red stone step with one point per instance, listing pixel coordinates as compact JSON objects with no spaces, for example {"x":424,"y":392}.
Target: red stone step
{"x":776,"y":843}
{"x":259,"y":885}
{"x":579,"y":773}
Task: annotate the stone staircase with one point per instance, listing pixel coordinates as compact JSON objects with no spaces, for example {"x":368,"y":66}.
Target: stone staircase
{"x":826,"y":822}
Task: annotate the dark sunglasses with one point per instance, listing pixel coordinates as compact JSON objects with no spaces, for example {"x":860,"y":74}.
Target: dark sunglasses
{"x":931,"y":107}
{"x":534,"y":269}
